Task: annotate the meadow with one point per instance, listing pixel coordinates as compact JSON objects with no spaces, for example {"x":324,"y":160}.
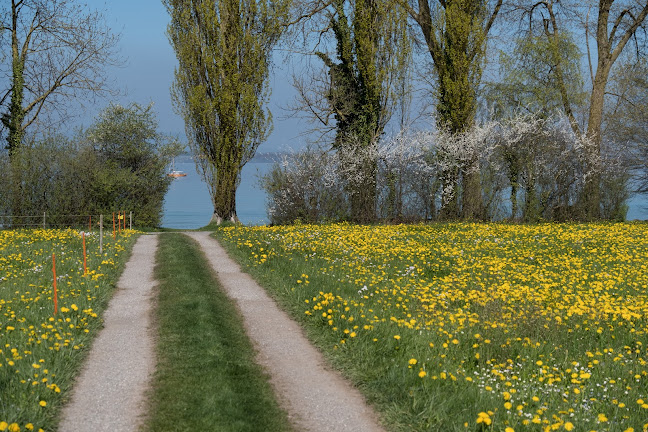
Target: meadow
{"x":41,"y":351}
{"x":471,"y":327}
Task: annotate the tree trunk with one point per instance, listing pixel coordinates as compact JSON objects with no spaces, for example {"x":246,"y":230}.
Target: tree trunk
{"x":227,"y":178}
{"x":14,"y":117}
{"x":449,"y":189}
{"x":225,"y":199}
{"x":531,"y":205}
{"x":591,"y":200}
{"x":471,"y":199}
{"x":16,"y":185}
{"x":361,"y":183}
{"x":514,"y":204}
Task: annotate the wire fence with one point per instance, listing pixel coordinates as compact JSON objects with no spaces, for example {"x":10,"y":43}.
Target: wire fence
{"x":118,"y":220}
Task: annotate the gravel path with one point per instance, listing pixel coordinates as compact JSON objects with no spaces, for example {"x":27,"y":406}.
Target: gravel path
{"x":109,"y":393}
{"x":315,"y":398}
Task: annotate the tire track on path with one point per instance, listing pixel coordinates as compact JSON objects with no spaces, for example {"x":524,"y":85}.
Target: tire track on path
{"x":109,"y":394}
{"x":316,"y":398}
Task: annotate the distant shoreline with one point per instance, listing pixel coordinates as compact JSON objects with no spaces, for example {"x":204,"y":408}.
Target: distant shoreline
{"x":269,"y":157}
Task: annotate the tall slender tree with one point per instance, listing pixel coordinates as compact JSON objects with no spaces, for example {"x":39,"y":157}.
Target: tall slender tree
{"x":366,"y":73}
{"x":455,"y":33}
{"x":224,"y":51}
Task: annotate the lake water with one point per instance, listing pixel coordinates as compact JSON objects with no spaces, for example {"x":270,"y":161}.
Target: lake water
{"x":187,"y":204}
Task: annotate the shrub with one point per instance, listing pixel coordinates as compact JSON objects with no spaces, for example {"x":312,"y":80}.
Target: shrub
{"x":117,"y":164}
{"x":529,"y":168}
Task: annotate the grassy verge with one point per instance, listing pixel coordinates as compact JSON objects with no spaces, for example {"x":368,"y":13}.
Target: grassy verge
{"x":471,"y":327}
{"x":206,"y":378}
{"x":42,"y":352}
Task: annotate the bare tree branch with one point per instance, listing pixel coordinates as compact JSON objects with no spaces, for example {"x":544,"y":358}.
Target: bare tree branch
{"x":59,"y":52}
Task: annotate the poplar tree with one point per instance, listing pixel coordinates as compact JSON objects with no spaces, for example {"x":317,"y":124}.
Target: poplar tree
{"x":224,"y":52}
{"x":455,"y":33}
{"x":371,"y":55}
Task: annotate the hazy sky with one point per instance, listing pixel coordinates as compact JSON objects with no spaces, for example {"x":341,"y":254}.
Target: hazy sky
{"x":150,"y":62}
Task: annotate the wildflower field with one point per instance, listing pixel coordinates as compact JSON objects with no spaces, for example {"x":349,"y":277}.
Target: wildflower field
{"x":472,"y":327}
{"x":40,"y":351}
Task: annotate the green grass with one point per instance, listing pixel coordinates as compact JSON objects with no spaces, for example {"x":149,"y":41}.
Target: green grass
{"x":42,"y":352}
{"x":471,"y":327}
{"x":206,"y":378}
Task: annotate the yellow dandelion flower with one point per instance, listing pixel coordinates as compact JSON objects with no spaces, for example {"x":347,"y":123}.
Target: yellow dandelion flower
{"x":484,"y":418}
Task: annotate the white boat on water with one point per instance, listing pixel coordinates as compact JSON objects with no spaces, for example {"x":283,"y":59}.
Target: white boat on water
{"x":176,"y":173}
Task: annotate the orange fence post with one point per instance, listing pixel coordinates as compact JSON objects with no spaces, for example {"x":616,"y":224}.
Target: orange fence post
{"x":85,"y":268}
{"x":55,"y":292}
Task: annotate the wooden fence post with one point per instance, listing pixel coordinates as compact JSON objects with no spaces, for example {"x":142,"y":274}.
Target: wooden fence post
{"x":101,"y":234}
{"x":85,"y":267}
{"x":55,"y":292}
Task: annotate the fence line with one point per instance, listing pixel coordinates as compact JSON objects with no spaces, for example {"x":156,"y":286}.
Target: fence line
{"x":46,"y":220}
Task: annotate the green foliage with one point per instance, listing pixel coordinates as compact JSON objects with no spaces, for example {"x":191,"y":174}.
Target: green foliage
{"x":459,"y":67}
{"x":132,"y":156}
{"x":221,"y":84}
{"x":530,"y":79}
{"x":117,"y":164}
{"x":355,"y":93}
